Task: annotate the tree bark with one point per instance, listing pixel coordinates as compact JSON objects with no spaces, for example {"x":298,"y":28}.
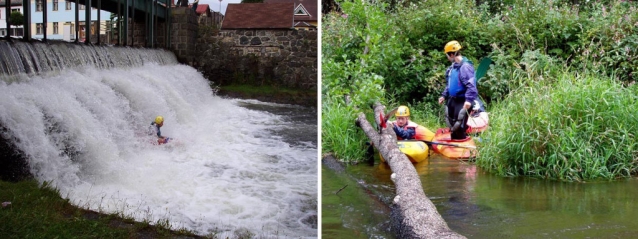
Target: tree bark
{"x":413,"y":214}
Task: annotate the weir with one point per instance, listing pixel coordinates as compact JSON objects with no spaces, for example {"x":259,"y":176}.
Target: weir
{"x":31,"y":58}
{"x":79,"y":116}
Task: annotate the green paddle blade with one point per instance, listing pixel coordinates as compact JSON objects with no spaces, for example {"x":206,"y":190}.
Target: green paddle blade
{"x":482,"y":68}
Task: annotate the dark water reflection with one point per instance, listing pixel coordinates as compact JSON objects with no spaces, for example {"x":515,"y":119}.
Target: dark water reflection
{"x":480,"y":205}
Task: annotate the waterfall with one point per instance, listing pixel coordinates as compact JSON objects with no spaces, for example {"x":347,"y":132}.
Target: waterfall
{"x":80,"y":114}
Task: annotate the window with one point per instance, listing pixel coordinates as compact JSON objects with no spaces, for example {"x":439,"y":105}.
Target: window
{"x":15,"y":10}
{"x":81,"y":7}
{"x":300,"y":10}
{"x":17,"y":32}
{"x":55,"y":28}
{"x":38,"y":5}
{"x":55,"y":5}
{"x":38,"y":28}
{"x":68,"y":5}
{"x":3,"y":32}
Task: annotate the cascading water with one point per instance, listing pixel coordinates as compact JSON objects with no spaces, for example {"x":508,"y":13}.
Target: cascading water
{"x":84,"y":128}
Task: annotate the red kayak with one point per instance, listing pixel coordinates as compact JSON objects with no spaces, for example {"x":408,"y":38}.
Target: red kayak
{"x":452,"y":148}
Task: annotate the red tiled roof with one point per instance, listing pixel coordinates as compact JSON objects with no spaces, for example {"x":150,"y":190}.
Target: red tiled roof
{"x":202,"y":8}
{"x":258,"y":16}
{"x":309,"y":5}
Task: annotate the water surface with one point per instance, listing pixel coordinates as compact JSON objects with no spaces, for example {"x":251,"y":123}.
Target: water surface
{"x":477,"y":204}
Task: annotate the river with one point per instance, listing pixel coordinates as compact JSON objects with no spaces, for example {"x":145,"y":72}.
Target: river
{"x":478,"y":204}
{"x":236,"y":168}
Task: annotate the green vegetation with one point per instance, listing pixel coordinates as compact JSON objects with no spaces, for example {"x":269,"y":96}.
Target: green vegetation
{"x":39,"y":212}
{"x":392,"y":52}
{"x":16,"y":18}
{"x":579,"y":128}
{"x":339,"y":134}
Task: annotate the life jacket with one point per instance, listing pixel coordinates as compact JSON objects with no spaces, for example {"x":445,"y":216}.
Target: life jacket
{"x":455,"y":88}
{"x":421,"y":133}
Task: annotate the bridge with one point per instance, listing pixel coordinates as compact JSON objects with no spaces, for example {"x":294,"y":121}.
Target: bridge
{"x":150,"y":12}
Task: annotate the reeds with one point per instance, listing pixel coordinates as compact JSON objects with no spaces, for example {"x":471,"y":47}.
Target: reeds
{"x":572,"y":128}
{"x":339,"y":134}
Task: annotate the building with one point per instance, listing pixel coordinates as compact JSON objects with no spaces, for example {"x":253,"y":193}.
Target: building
{"x":305,"y":13}
{"x":61,"y":20}
{"x":262,"y":16}
{"x":16,"y":6}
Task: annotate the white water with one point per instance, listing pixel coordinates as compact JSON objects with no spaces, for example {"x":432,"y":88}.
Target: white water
{"x":85,"y":132}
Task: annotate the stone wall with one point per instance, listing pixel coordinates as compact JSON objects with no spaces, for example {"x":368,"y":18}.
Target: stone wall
{"x":276,"y":57}
{"x":184,"y":34}
{"x":279,"y":57}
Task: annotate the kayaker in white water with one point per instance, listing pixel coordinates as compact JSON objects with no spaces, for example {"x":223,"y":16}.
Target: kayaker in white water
{"x":460,"y":92}
{"x":406,"y":129}
{"x":155,"y":129}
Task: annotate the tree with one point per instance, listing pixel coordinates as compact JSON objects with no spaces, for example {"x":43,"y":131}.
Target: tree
{"x":16,"y":19}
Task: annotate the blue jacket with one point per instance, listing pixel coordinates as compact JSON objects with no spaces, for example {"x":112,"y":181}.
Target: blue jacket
{"x":404,"y":133}
{"x":460,"y":81}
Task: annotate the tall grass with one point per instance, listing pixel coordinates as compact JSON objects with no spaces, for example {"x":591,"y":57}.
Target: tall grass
{"x":339,"y":134}
{"x":572,"y":128}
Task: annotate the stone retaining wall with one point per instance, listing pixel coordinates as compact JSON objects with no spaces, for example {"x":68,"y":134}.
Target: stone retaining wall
{"x":280,"y":57}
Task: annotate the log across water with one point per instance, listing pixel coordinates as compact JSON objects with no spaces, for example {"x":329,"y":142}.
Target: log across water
{"x":413,"y":214}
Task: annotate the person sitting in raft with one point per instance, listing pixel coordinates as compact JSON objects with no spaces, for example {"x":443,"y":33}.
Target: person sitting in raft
{"x":155,"y":129}
{"x":406,"y":129}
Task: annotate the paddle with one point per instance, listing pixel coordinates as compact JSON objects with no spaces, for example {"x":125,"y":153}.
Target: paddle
{"x":482,"y":68}
{"x":385,"y":118}
{"x":446,"y":144}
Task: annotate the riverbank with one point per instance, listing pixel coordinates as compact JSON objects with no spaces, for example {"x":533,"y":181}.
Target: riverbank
{"x":270,"y":94}
{"x":32,"y":211}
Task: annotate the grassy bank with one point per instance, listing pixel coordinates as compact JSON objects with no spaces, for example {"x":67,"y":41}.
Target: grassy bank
{"x":572,"y":128}
{"x":271,"y":94}
{"x":39,"y":212}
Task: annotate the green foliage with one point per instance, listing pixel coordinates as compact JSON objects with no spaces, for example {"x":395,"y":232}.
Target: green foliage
{"x":17,"y":19}
{"x":373,"y":52}
{"x":405,"y":43}
{"x":339,"y":135}
{"x":574,"y":128}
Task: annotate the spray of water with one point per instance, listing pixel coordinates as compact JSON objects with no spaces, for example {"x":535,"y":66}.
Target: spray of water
{"x":86,"y":132}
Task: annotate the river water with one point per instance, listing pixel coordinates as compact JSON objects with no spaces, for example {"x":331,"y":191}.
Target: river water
{"x":477,"y":204}
{"x":236,"y":167}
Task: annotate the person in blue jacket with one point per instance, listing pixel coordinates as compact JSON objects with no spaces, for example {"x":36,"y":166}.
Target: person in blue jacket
{"x":460,"y":91}
{"x":155,"y":129}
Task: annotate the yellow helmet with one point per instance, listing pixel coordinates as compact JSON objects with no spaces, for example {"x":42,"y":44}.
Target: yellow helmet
{"x":402,"y":111}
{"x":452,"y":46}
{"x":159,"y":120}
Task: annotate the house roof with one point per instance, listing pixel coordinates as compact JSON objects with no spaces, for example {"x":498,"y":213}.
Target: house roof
{"x":202,"y":8}
{"x":309,"y":5}
{"x":259,"y":16}
{"x":3,"y":3}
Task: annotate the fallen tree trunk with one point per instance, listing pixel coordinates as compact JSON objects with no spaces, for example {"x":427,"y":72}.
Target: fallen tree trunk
{"x":413,"y":214}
